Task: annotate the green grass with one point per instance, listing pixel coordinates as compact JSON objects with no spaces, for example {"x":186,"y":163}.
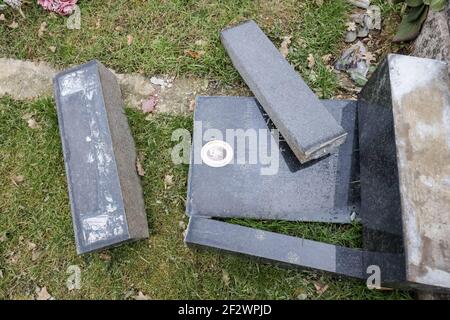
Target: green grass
{"x":163,"y":30}
{"x":37,"y":210}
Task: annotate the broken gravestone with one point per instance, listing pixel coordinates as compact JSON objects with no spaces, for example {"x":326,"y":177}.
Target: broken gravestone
{"x":404,"y":136}
{"x":264,"y":179}
{"x":105,"y":193}
{"x":308,"y":128}
{"x":404,"y":156}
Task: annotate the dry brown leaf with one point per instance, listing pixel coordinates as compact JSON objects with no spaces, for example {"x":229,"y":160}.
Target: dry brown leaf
{"x":192,"y":105}
{"x":31,"y":246}
{"x":35,"y":255}
{"x":52,"y":49}
{"x":97,"y":23}
{"x":13,"y":257}
{"x":105,"y":256}
{"x":200,"y":43}
{"x":42,"y":294}
{"x":168,"y":180}
{"x":369,"y":57}
{"x":182,"y":225}
{"x":2,"y":17}
{"x":33,"y":123}
{"x":194,"y":54}
{"x":141,"y":296}
{"x":311,"y":61}
{"x":284,"y":48}
{"x":17,"y":179}
{"x":139,"y":168}
{"x":130,"y":39}
{"x":42,"y":29}
{"x":225,"y":278}
{"x":320,"y":287}
{"x":327,"y":58}
{"x":14,"y":25}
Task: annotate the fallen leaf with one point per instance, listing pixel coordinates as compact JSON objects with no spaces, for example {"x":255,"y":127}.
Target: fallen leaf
{"x":13,"y":257}
{"x":319,"y":3}
{"x":192,"y":105}
{"x":139,"y":168}
{"x":118,"y":28}
{"x":97,"y":23}
{"x":42,"y":29}
{"x":33,"y":123}
{"x":200,"y":43}
{"x":302,"y":296}
{"x":320,"y":287}
{"x":369,"y":57}
{"x":225,"y":278}
{"x":42,"y":294}
{"x":1,"y":274}
{"x":312,"y":76}
{"x":130,"y":39}
{"x":52,"y":49}
{"x":13,"y":25}
{"x":194,"y":54}
{"x":149,"y":104}
{"x":168,"y":180}
{"x":284,"y":48}
{"x":31,"y":246}
{"x":17,"y":179}
{"x":311,"y":61}
{"x":3,"y":237}
{"x":182,"y":225}
{"x":35,"y":255}
{"x":327,"y":58}
{"x":104,"y":256}
{"x":2,"y":17}
{"x":141,"y":296}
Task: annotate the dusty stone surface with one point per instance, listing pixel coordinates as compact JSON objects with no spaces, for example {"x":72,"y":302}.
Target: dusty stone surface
{"x":25,"y":79}
{"x":30,"y":80}
{"x":434,"y":39}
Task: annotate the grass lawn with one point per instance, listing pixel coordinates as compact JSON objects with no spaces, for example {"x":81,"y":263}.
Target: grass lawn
{"x":36,"y":237}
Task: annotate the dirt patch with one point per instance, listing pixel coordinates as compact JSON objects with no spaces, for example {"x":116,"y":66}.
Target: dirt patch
{"x":30,"y":80}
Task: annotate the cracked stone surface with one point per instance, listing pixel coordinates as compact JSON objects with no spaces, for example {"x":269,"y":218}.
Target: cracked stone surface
{"x":30,"y":80}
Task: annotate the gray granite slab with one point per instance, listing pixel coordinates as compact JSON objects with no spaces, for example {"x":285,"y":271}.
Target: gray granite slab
{"x":105,"y":193}
{"x":288,"y":251}
{"x":309,"y":129}
{"x":323,"y":190}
